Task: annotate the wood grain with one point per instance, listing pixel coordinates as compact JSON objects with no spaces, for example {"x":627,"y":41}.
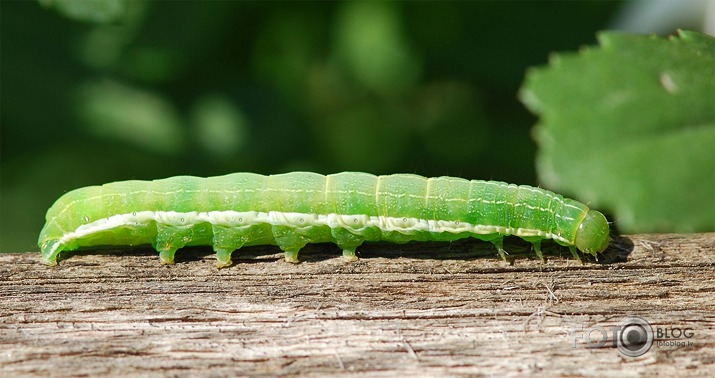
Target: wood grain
{"x":422,"y":309}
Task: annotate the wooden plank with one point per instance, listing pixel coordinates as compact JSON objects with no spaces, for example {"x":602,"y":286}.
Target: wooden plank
{"x":417,"y":309}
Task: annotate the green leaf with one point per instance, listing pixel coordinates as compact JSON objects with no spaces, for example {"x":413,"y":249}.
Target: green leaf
{"x":629,"y":127}
{"x":99,"y":11}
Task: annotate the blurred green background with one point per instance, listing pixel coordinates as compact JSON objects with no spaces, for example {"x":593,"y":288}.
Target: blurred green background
{"x":97,"y":91}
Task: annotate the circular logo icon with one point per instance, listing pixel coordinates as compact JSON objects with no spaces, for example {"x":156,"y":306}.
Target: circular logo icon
{"x":635,"y":337}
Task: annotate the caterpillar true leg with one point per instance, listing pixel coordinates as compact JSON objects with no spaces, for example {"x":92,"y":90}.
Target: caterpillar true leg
{"x":574,"y":253}
{"x":537,"y":250}
{"x":499,"y":244}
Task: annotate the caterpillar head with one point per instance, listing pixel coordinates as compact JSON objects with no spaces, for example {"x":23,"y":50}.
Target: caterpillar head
{"x":592,"y":234}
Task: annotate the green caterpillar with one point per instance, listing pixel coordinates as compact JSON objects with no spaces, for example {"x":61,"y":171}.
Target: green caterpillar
{"x":293,"y":209}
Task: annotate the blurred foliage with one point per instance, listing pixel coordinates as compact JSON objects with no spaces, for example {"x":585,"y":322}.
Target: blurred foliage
{"x":630,"y":126}
{"x":89,"y":10}
{"x":95,"y":91}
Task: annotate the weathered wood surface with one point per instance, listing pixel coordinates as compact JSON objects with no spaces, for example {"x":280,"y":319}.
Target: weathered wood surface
{"x":417,"y":309}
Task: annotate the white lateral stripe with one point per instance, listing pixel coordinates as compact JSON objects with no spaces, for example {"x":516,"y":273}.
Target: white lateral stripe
{"x":298,"y":220}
